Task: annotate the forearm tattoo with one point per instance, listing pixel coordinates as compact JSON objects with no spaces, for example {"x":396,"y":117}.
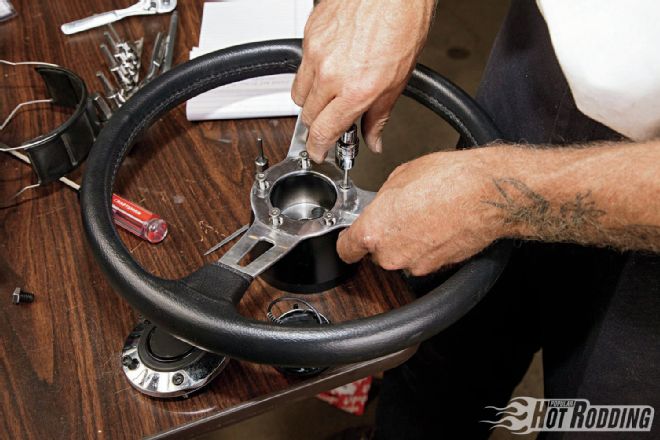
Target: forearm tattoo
{"x":578,"y":220}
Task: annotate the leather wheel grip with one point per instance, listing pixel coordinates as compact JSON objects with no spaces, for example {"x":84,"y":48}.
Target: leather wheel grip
{"x":201,"y":308}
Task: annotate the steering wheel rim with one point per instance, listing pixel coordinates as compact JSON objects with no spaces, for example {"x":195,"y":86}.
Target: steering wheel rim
{"x":201,"y":308}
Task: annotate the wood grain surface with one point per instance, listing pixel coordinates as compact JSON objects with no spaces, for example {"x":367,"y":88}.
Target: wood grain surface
{"x":60,"y":374}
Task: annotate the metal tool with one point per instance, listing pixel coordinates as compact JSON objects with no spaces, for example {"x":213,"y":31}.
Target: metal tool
{"x":157,"y":54}
{"x":104,"y":110}
{"x":123,"y":59}
{"x":169,"y":42}
{"x":227,"y":239}
{"x":126,"y":214}
{"x":261,"y":162}
{"x":112,"y":95}
{"x":346,"y":150}
{"x":19,"y":296}
{"x":143,"y":7}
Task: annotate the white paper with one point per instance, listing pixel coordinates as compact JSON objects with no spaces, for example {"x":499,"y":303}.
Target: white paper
{"x":230,"y":23}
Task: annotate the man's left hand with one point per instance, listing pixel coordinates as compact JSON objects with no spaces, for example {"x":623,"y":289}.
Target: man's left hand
{"x":429,"y":213}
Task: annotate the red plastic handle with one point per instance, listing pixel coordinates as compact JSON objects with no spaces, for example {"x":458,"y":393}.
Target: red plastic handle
{"x":137,"y":220}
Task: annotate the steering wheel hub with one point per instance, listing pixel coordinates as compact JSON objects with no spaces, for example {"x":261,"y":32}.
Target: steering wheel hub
{"x":294,"y":201}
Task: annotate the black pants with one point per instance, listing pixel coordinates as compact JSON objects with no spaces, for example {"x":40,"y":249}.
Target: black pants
{"x":594,"y":312}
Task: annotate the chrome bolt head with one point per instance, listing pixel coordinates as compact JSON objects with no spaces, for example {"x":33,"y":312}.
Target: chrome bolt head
{"x":305,"y":163}
{"x":329,"y":218}
{"x":177,"y":379}
{"x":275,"y":217}
{"x":262,"y":183}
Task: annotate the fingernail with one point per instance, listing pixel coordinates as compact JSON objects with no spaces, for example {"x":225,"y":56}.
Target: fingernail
{"x":378,"y":145}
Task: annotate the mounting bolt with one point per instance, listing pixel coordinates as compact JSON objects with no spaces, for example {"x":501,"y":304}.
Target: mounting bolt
{"x":262,"y":183}
{"x":329,"y":218}
{"x":20,"y":297}
{"x":261,"y":162}
{"x":275,"y":217}
{"x":177,"y":379}
{"x":305,"y":163}
{"x":129,"y":362}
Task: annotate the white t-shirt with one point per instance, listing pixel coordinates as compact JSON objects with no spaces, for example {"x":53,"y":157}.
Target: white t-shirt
{"x":609,"y":51}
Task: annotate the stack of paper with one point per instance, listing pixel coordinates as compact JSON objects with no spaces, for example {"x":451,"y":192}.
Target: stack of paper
{"x":230,"y":23}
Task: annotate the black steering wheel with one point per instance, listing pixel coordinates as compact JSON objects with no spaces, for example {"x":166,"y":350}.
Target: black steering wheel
{"x":201,"y":308}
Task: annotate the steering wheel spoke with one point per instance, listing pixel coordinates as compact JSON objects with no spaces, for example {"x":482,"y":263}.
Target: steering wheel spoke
{"x":299,"y":141}
{"x":299,"y":138}
{"x":264,"y":245}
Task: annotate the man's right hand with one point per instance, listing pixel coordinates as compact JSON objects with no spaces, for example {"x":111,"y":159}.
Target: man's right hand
{"x":357,"y":58}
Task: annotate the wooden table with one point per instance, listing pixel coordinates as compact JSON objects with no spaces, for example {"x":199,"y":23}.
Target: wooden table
{"x":60,"y":374}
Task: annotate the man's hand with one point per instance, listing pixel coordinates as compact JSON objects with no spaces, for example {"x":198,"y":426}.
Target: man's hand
{"x":445,"y":207}
{"x":357,"y":57}
{"x":430,"y":212}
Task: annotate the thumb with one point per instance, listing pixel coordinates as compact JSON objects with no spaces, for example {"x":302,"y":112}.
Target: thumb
{"x":350,"y":247}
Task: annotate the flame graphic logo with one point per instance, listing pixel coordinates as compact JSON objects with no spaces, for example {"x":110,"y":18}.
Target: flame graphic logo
{"x":516,"y":416}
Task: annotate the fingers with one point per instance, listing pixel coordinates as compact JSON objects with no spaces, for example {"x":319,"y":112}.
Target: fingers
{"x":302,"y":83}
{"x":330,"y":123}
{"x":360,"y":239}
{"x":351,"y":246}
{"x":374,"y":120}
{"x":329,"y":116}
{"x":317,"y":99}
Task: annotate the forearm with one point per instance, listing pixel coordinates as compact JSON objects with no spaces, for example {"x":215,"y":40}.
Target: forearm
{"x":603,"y":195}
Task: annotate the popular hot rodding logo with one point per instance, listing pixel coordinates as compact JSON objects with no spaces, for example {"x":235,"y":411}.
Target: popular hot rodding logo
{"x":526,"y":414}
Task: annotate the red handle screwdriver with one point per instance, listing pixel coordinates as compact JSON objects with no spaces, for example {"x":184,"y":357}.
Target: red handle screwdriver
{"x":126,"y":214}
{"x":137,"y":220}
